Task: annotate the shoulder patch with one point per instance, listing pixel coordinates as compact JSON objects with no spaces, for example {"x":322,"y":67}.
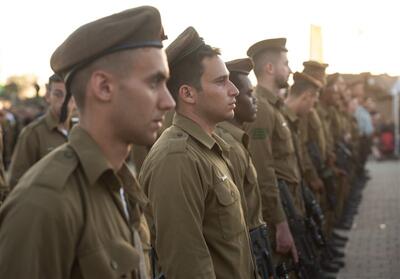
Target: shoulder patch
{"x":178,"y":143}
{"x":259,"y":133}
{"x":53,"y":170}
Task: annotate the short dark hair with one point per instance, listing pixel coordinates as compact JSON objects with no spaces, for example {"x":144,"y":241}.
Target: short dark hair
{"x":190,"y":70}
{"x":262,"y":58}
{"x":118,"y":63}
{"x":55,"y":78}
{"x":300,"y":86}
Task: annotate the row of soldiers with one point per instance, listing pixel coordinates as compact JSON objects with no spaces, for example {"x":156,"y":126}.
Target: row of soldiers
{"x":240,"y":183}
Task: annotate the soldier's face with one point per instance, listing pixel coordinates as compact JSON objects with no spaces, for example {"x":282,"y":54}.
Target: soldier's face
{"x":282,"y":71}
{"x":215,"y":102}
{"x":307,"y":102}
{"x":142,"y":97}
{"x":55,"y":97}
{"x":246,"y":103}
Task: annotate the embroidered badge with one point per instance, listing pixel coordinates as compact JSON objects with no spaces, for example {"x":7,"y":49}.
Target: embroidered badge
{"x":259,"y":133}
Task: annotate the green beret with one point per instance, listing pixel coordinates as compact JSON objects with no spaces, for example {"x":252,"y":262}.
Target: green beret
{"x":242,"y":66}
{"x":270,"y":44}
{"x":185,"y":44}
{"x":133,"y":28}
{"x":297,"y":76}
{"x":316,"y":70}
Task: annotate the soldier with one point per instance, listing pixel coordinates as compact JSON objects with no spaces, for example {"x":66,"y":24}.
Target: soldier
{"x":245,"y":175}
{"x":80,"y":205}
{"x":200,"y":229}
{"x":271,"y":144}
{"x":244,"y":172}
{"x":43,"y":135}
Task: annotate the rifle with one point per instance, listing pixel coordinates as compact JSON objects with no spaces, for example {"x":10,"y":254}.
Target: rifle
{"x":262,"y":252}
{"x":324,"y":172}
{"x":315,"y":218}
{"x":308,"y":267}
{"x":154,"y":265}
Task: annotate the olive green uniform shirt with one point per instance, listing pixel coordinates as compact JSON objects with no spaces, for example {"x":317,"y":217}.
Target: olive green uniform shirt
{"x":326,"y":122}
{"x":311,"y":130}
{"x":35,"y":141}
{"x":200,"y":229}
{"x":66,"y":218}
{"x":244,"y":172}
{"x":272,"y":151}
{"x":298,"y":160}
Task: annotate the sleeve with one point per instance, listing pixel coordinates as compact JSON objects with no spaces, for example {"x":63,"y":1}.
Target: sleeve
{"x":25,"y":155}
{"x":35,"y":242}
{"x":178,"y":202}
{"x":260,"y":147}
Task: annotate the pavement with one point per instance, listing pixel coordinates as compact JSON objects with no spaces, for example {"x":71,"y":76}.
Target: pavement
{"x":373,"y":250}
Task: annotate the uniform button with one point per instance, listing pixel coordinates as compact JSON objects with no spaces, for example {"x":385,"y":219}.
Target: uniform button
{"x":114,"y":265}
{"x":232,"y":194}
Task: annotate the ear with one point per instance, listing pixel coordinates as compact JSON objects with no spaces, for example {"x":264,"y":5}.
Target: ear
{"x":187,"y":94}
{"x":269,"y":68}
{"x":103,"y":85}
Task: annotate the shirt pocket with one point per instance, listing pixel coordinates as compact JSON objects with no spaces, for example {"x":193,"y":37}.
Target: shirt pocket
{"x":116,"y":259}
{"x":230,"y":211}
{"x":284,"y":144}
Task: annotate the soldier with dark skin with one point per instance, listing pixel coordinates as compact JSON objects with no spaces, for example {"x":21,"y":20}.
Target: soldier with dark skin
{"x":80,"y":206}
{"x":231,"y":131}
{"x":43,"y":135}
{"x":270,"y":139}
{"x":187,"y":174}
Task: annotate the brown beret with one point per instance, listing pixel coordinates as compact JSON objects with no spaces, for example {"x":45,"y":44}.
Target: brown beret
{"x":133,"y":28}
{"x":297,"y":76}
{"x":316,"y":70}
{"x":184,"y":45}
{"x":270,"y":44}
{"x":242,"y":66}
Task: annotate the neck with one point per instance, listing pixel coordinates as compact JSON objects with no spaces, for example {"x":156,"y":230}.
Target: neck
{"x":236,"y":122}
{"x":207,"y":126}
{"x":114,"y":150}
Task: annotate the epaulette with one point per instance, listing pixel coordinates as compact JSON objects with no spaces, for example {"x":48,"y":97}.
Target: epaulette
{"x":178,"y":142}
{"x":53,"y":170}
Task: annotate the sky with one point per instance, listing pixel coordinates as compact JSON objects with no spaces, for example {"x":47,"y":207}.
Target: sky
{"x":358,"y":36}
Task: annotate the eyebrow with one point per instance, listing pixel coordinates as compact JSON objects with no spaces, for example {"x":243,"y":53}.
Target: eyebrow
{"x":224,"y":77}
{"x":159,"y":76}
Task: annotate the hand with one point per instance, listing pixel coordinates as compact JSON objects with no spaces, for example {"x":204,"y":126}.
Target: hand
{"x":330,"y":161}
{"x":284,"y":241}
{"x":316,"y":185}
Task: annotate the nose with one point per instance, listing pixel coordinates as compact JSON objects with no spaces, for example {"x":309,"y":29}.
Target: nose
{"x":166,"y":102}
{"x":233,"y":91}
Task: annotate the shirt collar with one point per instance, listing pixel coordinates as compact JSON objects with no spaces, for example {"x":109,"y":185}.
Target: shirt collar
{"x":51,"y":121}
{"x":237,"y":133}
{"x":291,"y":115}
{"x":195,"y":131}
{"x":264,"y":93}
{"x":90,"y":155}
